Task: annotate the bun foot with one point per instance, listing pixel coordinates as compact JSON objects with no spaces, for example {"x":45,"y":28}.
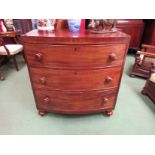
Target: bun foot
{"x":2,"y":78}
{"x":41,"y":113}
{"x":143,"y":92}
{"x":109,"y":113}
{"x":132,"y":75}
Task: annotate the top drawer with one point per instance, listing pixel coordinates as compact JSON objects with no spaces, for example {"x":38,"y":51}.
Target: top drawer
{"x":96,"y":56}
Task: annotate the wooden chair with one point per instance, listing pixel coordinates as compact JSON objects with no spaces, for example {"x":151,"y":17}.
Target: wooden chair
{"x":149,"y":88}
{"x":12,"y":49}
{"x":143,"y":61}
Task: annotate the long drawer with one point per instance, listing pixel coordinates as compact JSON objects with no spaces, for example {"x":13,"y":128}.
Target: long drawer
{"x":75,"y":80}
{"x":75,"y":102}
{"x":75,"y":55}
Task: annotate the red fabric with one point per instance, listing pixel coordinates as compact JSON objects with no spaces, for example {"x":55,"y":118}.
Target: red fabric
{"x":1,"y":26}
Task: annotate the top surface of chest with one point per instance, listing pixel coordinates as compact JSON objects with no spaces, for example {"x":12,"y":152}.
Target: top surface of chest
{"x":67,"y":37}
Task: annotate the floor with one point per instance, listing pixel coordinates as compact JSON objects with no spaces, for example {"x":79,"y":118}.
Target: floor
{"x":133,"y":114}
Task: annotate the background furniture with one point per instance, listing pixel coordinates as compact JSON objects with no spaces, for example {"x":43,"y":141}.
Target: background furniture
{"x":143,"y":61}
{"x":24,"y":25}
{"x":75,"y":73}
{"x":133,"y":27}
{"x":149,"y":88}
{"x":149,"y":32}
{"x":10,"y":50}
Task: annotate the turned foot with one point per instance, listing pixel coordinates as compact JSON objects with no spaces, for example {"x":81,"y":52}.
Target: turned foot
{"x":109,"y":113}
{"x":2,"y":78}
{"x":143,"y":92}
{"x":41,"y":113}
{"x":132,"y":75}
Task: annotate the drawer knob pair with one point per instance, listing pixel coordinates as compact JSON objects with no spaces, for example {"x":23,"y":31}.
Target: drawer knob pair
{"x":42,"y":80}
{"x":46,"y":100}
{"x":112,"y":56}
{"x":108,"y":79}
{"x":39,"y":57}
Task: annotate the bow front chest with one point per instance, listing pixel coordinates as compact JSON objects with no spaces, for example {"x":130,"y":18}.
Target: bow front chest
{"x":75,"y":73}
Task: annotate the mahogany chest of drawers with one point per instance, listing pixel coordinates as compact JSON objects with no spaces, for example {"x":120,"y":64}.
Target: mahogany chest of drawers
{"x":75,"y":73}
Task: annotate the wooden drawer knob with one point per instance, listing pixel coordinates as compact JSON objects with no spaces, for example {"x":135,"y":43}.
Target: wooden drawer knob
{"x":42,"y":80}
{"x":112,"y":56}
{"x":105,"y":100}
{"x":39,"y":57}
{"x":46,"y":100}
{"x":108,"y":79}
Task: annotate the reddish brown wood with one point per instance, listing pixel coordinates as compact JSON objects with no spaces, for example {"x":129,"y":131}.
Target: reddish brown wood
{"x":75,"y":102}
{"x":75,"y":79}
{"x":133,"y":27}
{"x":41,"y":113}
{"x":109,"y":113}
{"x":142,"y":67}
{"x":149,"y":87}
{"x":76,"y":73}
{"x":2,"y":77}
{"x":149,"y":90}
{"x":65,"y":37}
{"x":149,"y":32}
{"x":96,"y":56}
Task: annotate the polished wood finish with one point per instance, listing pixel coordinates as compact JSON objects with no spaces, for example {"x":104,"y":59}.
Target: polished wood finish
{"x":59,"y":79}
{"x":75,"y":73}
{"x":105,"y":55}
{"x":141,"y":66}
{"x":149,"y":88}
{"x":75,"y":102}
{"x":11,"y":37}
{"x":133,"y":27}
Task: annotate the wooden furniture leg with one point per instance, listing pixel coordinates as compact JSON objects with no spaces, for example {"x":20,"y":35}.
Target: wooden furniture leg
{"x":15,"y":62}
{"x":24,"y":57}
{"x":2,"y":77}
{"x":41,"y":113}
{"x":109,"y":113}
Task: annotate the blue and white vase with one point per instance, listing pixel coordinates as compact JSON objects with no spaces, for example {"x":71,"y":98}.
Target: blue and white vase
{"x":74,"y":25}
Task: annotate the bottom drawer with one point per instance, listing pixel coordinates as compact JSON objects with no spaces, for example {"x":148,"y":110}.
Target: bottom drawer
{"x":75,"y":102}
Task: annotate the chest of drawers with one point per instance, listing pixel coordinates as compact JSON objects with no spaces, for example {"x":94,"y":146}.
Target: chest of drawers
{"x":75,"y":73}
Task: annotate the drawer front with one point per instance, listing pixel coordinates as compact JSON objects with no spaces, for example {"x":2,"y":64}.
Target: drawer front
{"x":75,"y":80}
{"x":75,"y":102}
{"x":75,"y":56}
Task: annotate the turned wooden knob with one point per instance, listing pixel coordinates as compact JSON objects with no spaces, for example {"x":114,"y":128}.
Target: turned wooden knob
{"x":39,"y":56}
{"x":42,"y":80}
{"x":46,"y":100}
{"x":108,"y":79}
{"x":112,"y":56}
{"x":105,"y":100}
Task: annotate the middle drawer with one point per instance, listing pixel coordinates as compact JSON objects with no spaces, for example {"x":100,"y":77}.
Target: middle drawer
{"x":75,"y":80}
